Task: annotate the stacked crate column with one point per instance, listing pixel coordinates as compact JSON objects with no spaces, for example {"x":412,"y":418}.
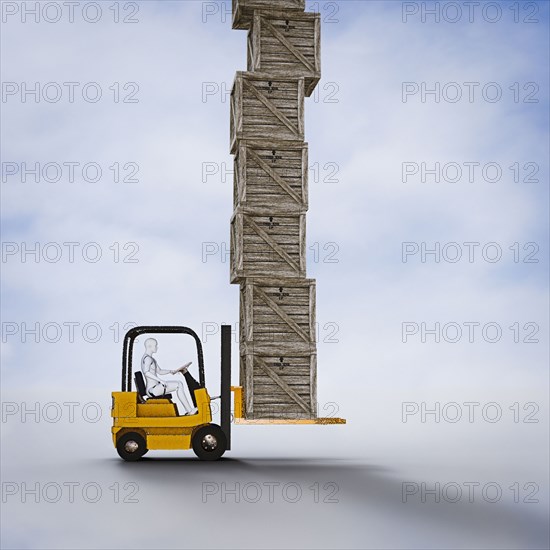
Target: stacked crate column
{"x":268,"y":227}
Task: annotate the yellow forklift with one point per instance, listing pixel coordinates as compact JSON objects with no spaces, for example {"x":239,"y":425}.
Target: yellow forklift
{"x":142,"y":422}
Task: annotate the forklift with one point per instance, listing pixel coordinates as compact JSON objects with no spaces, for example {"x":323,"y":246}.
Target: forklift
{"x":142,"y":422}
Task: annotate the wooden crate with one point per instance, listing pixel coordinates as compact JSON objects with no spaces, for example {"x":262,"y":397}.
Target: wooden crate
{"x":271,"y":176}
{"x":266,"y":245}
{"x":280,"y":311}
{"x":278,"y":384}
{"x":278,"y":349}
{"x":243,"y":10}
{"x":265,"y":107}
{"x":286,"y":44}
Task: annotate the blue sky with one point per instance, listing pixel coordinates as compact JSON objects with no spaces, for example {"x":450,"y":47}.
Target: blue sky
{"x":359,"y":131}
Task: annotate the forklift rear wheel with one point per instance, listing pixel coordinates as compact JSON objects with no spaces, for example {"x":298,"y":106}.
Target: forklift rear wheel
{"x":209,"y":442}
{"x":131,"y":446}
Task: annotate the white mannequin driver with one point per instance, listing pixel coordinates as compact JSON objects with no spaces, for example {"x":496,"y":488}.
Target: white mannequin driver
{"x":154,"y":386}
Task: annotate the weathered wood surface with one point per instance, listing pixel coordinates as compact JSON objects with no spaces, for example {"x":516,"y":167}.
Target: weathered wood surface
{"x":280,"y":311}
{"x":279,"y":386}
{"x":265,"y":245}
{"x":286,"y":44}
{"x":271,"y":176}
{"x":243,"y":10}
{"x":264,"y":107}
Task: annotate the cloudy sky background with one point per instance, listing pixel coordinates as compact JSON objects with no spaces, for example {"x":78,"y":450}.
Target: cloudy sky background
{"x":358,"y":122}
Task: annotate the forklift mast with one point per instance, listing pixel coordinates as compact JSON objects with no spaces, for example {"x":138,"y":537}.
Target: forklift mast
{"x":225,"y":385}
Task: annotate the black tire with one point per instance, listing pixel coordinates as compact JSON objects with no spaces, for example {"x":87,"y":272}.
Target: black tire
{"x":209,"y":442}
{"x":131,"y":446}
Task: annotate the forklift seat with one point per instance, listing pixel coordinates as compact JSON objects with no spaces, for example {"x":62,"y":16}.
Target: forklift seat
{"x":140,"y":386}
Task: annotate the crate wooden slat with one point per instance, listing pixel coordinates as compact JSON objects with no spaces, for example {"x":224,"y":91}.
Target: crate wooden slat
{"x":286,"y":44}
{"x":277,"y":385}
{"x":271,"y":176}
{"x":243,"y":10}
{"x":266,"y":245}
{"x":265,"y":107}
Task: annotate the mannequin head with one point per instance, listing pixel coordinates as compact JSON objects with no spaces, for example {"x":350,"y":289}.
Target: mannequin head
{"x":151,"y":346}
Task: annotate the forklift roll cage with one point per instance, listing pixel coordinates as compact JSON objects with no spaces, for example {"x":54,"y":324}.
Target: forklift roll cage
{"x":128,"y":346}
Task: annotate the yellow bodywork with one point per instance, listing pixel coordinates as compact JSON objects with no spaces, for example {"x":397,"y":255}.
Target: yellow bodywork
{"x":238,"y":391}
{"x":157,"y":420}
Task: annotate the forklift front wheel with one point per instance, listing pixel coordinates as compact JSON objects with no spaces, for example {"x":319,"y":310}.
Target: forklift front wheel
{"x":131,"y":446}
{"x":209,"y":442}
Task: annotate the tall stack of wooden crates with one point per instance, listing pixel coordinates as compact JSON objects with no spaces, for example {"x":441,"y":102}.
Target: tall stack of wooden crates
{"x":278,"y":352}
